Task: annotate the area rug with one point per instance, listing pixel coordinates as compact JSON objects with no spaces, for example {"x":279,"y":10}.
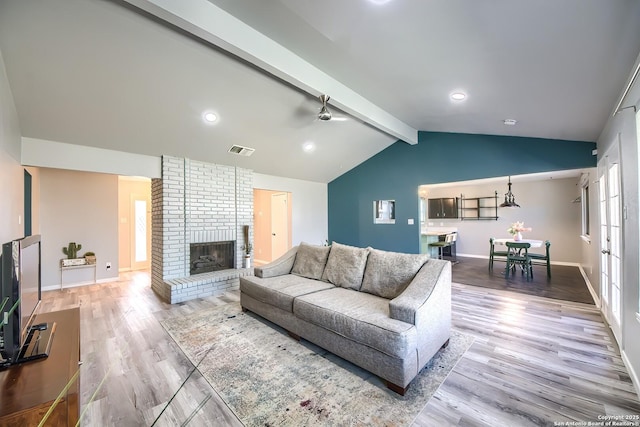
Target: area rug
{"x":269,"y":379}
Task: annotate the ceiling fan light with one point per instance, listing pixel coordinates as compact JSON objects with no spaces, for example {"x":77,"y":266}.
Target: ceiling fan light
{"x":324,"y":114}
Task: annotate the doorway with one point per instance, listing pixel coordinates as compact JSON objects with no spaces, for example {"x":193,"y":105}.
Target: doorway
{"x":134,"y":223}
{"x":610,"y":214}
{"x":272,"y":224}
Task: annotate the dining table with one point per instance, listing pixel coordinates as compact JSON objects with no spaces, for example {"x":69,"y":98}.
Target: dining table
{"x":534,"y":243}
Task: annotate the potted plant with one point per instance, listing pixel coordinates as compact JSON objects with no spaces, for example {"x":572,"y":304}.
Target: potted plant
{"x":71,"y":252}
{"x":516,"y":230}
{"x":90,"y":257}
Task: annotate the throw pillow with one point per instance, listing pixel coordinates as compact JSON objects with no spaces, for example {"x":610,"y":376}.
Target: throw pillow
{"x":387,"y":274}
{"x":310,"y":260}
{"x":345,"y":266}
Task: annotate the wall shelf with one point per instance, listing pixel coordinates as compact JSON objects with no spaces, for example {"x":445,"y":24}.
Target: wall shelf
{"x":77,"y":267}
{"x":479,"y":208}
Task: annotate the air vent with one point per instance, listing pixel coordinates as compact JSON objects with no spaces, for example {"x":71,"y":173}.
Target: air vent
{"x":241,"y":151}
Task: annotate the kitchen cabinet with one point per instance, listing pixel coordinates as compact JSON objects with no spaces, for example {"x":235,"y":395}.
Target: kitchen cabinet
{"x":446,"y":207}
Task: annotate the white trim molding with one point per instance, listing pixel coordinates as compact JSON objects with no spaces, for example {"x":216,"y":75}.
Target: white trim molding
{"x":567,"y":264}
{"x":634,"y":376}
{"x":79,"y":284}
{"x":60,"y":155}
{"x":594,"y":295}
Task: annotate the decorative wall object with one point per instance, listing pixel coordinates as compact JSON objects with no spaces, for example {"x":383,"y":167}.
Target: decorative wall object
{"x":384,"y":211}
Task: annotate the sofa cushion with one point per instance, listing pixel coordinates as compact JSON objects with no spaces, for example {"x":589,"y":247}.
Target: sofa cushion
{"x":280,"y":291}
{"x":345,"y":266}
{"x":361,"y":317}
{"x":387,"y":274}
{"x":310,"y":261}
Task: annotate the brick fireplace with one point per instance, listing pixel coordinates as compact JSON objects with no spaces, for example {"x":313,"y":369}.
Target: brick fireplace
{"x":211,"y":256}
{"x":192,"y":204}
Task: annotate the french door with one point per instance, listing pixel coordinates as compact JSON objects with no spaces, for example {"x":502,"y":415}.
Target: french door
{"x":610,"y":214}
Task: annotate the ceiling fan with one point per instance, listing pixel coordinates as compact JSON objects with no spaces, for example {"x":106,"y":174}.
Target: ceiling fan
{"x":324,"y":114}
{"x":307,"y":112}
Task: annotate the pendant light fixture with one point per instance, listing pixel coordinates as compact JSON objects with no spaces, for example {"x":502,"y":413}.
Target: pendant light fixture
{"x":509,"y":199}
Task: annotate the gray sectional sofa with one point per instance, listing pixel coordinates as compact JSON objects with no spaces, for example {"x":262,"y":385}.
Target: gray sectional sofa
{"x":386,"y":312}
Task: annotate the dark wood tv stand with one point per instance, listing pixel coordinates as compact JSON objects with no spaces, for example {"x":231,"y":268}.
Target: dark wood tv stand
{"x":28,"y":390}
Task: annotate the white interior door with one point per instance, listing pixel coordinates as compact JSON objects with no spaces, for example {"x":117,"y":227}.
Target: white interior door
{"x":279,"y":224}
{"x":140,"y":232}
{"x":610,"y":214}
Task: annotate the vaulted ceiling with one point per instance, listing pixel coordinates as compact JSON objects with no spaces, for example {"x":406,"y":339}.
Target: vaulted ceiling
{"x":137,"y":75}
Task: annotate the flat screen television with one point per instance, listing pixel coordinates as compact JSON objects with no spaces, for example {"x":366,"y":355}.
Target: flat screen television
{"x":20,"y":292}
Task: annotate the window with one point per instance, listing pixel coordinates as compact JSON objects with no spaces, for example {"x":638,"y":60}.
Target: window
{"x":423,"y":211}
{"x":585,"y":231}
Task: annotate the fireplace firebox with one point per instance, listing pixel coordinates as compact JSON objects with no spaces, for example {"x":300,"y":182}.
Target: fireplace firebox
{"x":212,"y":256}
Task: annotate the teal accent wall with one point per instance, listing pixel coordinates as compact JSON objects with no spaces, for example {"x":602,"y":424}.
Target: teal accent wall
{"x":396,"y":173}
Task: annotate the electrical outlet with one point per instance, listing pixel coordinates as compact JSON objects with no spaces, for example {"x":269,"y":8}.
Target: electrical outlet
{"x":108,"y":266}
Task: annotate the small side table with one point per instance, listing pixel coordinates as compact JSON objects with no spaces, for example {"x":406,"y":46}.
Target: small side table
{"x":78,"y":267}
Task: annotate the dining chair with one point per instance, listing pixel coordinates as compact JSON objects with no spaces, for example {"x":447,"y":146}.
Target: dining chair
{"x":518,"y":255}
{"x":448,"y":241}
{"x":502,"y":255}
{"x":543,"y":257}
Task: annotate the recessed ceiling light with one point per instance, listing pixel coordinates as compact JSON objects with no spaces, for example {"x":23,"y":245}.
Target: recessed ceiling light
{"x":458,"y":96}
{"x":309,"y":147}
{"x":379,"y":1}
{"x":510,"y":122}
{"x":209,"y":117}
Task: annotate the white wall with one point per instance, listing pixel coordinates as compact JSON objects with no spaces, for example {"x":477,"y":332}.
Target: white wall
{"x":310,"y":221}
{"x":11,"y":173}
{"x":79,"y":207}
{"x":622,"y":129}
{"x":546,"y":206}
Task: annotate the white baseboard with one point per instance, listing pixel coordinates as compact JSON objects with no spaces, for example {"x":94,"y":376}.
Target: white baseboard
{"x":594,"y":295}
{"x":473,"y":256}
{"x":568,"y":264}
{"x":77,"y":284}
{"x":632,"y":372}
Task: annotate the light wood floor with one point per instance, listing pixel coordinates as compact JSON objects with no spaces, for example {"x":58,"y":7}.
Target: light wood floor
{"x":535,"y":361}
